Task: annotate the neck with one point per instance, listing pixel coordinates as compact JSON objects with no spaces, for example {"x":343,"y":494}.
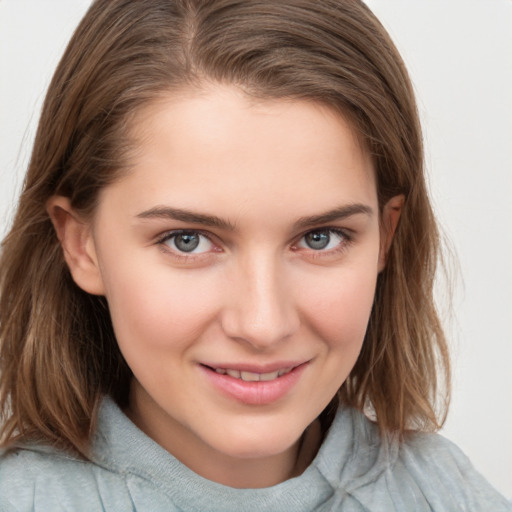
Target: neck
{"x":265,"y":472}
{"x":252,"y":472}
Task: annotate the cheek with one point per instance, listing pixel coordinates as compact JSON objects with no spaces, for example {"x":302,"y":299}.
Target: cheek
{"x":339,"y":307}
{"x":158,"y":308}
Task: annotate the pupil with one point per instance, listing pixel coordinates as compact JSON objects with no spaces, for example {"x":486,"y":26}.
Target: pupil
{"x":187,"y":242}
{"x":318,"y":240}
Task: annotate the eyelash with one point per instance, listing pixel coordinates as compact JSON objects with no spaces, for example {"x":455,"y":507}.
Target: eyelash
{"x":345,"y":236}
{"x":182,"y":255}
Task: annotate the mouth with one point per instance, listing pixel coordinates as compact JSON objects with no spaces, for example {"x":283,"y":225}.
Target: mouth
{"x":248,"y":376}
{"x":254,"y":385}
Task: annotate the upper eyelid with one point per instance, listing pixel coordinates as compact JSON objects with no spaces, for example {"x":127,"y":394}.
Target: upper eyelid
{"x":334,"y":229}
{"x":166,"y":235}
{"x":346,"y":235}
{"x":345,"y":232}
{"x":186,"y":257}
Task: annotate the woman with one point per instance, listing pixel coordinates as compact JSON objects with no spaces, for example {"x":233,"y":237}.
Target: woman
{"x":218,"y":285}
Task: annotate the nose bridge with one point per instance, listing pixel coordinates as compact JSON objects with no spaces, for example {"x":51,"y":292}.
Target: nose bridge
{"x":261,"y":308}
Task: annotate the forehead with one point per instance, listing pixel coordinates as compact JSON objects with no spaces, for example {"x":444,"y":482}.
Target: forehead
{"x":220,"y":147}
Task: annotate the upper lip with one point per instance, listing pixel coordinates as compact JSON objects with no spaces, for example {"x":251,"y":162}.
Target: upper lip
{"x":256,"y":368}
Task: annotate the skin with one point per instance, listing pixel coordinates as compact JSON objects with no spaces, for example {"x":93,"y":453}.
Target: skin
{"x":253,"y":292}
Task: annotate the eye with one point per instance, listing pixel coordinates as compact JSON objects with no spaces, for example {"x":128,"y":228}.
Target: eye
{"x":322,"y":240}
{"x":190,"y":242}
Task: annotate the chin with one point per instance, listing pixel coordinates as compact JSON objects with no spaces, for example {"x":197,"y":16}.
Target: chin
{"x":257,"y":443}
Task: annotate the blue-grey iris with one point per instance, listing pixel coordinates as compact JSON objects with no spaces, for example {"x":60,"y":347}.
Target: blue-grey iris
{"x":317,"y":239}
{"x":186,"y":242}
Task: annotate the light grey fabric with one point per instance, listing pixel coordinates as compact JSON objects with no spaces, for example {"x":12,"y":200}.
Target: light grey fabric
{"x":355,"y":470}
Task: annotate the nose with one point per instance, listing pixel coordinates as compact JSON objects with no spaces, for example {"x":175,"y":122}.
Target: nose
{"x":260,"y":309}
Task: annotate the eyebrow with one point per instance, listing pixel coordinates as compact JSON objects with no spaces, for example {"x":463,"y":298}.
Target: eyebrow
{"x":166,"y":212}
{"x":337,"y":214}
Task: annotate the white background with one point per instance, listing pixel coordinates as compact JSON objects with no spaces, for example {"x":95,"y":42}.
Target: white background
{"x":459,"y":54}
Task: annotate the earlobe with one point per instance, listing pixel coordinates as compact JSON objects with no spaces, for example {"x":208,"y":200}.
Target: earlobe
{"x":77,"y":243}
{"x":389,"y":222}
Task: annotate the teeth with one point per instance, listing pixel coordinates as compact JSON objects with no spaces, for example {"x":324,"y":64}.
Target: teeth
{"x":252,"y":376}
{"x":269,"y":376}
{"x":233,"y":373}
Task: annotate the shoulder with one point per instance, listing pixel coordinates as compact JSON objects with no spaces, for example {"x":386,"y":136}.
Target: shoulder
{"x":45,"y":479}
{"x":39,"y":478}
{"x":42,"y":479}
{"x":422,"y":472}
{"x":431,"y":450}
{"x":446,"y":475}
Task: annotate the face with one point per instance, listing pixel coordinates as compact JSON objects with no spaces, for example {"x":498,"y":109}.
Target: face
{"x":239,"y":258}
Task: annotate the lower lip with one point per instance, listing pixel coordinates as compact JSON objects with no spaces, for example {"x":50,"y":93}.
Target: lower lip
{"x":255,"y":393}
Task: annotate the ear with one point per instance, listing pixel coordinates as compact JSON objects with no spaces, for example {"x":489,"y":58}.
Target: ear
{"x":390,"y":217}
{"x":77,"y":243}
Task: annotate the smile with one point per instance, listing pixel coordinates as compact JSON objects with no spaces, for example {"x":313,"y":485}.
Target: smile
{"x":252,"y":385}
{"x":252,"y":376}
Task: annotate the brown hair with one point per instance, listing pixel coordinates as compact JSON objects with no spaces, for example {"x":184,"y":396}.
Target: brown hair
{"x":58,"y":352}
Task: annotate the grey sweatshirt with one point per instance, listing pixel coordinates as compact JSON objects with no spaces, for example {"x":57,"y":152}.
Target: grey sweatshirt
{"x":354,"y":470}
